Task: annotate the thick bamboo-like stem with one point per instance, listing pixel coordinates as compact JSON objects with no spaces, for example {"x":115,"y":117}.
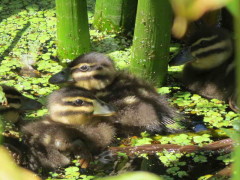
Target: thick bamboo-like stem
{"x":150,"y":51}
{"x":236,"y":165}
{"x":115,"y":15}
{"x":73,"y":36}
{"x":224,"y":145}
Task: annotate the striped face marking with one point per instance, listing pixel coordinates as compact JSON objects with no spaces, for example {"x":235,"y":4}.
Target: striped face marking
{"x":78,"y":109}
{"x":204,"y":39}
{"x":83,"y":66}
{"x":92,"y":75}
{"x":13,"y":101}
{"x":211,"y":52}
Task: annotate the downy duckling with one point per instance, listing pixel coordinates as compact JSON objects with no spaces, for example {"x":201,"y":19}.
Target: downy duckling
{"x":139,"y":107}
{"x":16,"y":104}
{"x":11,"y":111}
{"x":73,"y":128}
{"x":209,"y":67}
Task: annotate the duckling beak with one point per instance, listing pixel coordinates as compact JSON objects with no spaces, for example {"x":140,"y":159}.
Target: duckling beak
{"x":61,"y":77}
{"x":182,"y":57}
{"x":102,"y":109}
{"x":29,"y":104}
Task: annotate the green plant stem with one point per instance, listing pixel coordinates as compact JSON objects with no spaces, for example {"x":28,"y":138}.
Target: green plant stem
{"x":73,"y":36}
{"x":115,"y":15}
{"x":150,"y":51}
{"x":236,"y":165}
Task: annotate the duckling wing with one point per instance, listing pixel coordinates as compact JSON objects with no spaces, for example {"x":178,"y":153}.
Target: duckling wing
{"x":216,"y":83}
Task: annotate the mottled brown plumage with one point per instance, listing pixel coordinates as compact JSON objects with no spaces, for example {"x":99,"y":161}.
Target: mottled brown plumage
{"x":139,"y":107}
{"x":56,"y":139}
{"x":209,"y":68}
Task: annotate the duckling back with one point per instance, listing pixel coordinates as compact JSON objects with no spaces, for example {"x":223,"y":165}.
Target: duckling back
{"x":139,"y":107}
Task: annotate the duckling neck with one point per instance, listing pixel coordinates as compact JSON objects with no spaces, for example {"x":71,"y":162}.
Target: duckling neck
{"x":72,"y":118}
{"x":94,"y":84}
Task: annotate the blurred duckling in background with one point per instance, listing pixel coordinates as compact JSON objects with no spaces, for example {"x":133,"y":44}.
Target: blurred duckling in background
{"x":209,"y":65}
{"x":74,"y":128}
{"x":16,"y":104}
{"x":11,"y":111}
{"x":139,"y":107}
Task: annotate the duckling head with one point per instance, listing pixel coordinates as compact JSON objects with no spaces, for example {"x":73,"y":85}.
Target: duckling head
{"x":207,"y":49}
{"x":72,"y":105}
{"x":92,"y":71}
{"x":16,"y":103}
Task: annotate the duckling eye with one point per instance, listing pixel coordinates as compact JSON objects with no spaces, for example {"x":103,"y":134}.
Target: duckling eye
{"x":84,"y":68}
{"x":78,"y":102}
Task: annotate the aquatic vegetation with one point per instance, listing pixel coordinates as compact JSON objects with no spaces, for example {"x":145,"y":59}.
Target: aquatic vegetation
{"x":28,"y":39}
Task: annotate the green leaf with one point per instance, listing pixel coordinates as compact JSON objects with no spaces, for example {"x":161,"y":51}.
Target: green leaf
{"x":232,"y":6}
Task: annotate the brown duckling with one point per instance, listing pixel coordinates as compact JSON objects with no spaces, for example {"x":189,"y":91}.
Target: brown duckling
{"x":209,"y":67}
{"x":11,"y":111}
{"x":16,"y":104}
{"x":139,"y":107}
{"x":73,"y":128}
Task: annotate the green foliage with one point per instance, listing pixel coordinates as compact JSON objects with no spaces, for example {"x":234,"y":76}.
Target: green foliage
{"x":233,"y":7}
{"x":226,"y":159}
{"x":214,"y":111}
{"x":202,"y":139}
{"x":72,"y":172}
{"x":169,"y":159}
{"x":28,"y":36}
{"x":184,"y":139}
{"x":141,"y":141}
{"x":199,"y":159}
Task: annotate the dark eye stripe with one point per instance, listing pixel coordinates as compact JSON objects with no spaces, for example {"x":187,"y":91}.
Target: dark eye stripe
{"x":100,"y":77}
{"x":77,"y":70}
{"x":205,"y":43}
{"x":207,"y":53}
{"x":12,"y":92}
{"x":13,"y":100}
{"x":72,"y":103}
{"x":69,"y":113}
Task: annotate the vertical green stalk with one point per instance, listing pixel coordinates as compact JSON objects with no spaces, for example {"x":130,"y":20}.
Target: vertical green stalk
{"x":236,"y":154}
{"x":73,"y":36}
{"x":151,"y":43}
{"x":116,"y":16}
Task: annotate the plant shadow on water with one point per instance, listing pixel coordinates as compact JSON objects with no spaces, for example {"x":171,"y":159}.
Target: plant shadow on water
{"x":15,"y":40}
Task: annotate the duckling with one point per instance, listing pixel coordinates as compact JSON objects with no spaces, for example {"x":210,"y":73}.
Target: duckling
{"x":16,"y":104}
{"x":11,"y":111}
{"x":139,"y":107}
{"x":73,"y":128}
{"x":209,"y":68}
